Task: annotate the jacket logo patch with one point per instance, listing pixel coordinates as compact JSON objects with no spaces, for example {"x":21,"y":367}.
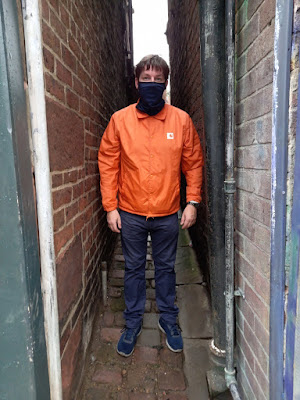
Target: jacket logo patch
{"x":170,"y":135}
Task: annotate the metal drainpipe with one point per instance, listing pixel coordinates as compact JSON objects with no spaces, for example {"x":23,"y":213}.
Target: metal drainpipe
{"x":212,"y":15}
{"x":229,"y":188}
{"x":281,"y":84}
{"x":34,"y":61}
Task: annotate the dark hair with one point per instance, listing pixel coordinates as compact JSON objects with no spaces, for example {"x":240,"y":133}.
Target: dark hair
{"x":152,"y":61}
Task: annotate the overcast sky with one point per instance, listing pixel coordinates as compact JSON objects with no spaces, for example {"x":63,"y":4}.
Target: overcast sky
{"x":149,"y":26}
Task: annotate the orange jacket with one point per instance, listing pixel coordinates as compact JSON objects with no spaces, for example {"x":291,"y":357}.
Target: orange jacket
{"x":140,"y":159}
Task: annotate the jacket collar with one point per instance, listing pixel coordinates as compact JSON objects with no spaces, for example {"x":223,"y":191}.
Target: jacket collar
{"x":161,"y":115}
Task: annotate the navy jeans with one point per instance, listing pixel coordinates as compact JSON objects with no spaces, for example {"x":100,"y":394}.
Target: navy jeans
{"x":164,"y":235}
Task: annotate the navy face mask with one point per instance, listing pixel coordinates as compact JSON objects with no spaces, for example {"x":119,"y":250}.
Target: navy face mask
{"x":151,"y":101}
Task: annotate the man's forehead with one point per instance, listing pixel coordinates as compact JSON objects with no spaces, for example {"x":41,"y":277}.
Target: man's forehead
{"x":151,"y":68}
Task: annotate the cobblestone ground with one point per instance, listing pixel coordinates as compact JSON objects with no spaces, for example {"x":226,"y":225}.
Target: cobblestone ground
{"x":153,"y":372}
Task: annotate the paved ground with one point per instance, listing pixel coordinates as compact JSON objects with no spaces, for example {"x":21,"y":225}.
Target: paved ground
{"x":153,"y":372}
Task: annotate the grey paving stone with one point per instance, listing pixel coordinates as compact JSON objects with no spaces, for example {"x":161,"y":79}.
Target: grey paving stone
{"x":183,"y":238}
{"x":149,"y":338}
{"x":194,"y":311}
{"x":150,"y":320}
{"x":196,"y":363}
{"x":186,"y":267}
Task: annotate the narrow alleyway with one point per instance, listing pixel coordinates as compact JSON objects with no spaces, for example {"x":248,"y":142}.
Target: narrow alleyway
{"x":153,"y":372}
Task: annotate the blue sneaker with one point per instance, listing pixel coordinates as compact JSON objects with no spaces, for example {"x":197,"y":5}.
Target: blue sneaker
{"x":128,"y":340}
{"x":174,"y":338}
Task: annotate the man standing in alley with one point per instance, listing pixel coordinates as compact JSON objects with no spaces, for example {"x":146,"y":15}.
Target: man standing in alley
{"x":142,"y":153}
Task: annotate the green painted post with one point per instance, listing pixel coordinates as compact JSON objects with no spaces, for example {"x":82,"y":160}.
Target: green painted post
{"x":23,"y":359}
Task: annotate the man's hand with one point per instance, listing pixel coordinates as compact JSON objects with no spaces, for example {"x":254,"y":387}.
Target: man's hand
{"x":114,"y":221}
{"x":189,"y":216}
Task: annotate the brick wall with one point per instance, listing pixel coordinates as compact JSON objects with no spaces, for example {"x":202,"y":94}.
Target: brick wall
{"x":84,"y":63}
{"x":183,"y":35}
{"x":254,"y":75}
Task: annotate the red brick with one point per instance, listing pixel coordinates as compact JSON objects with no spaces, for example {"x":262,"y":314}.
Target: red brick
{"x":78,"y":20}
{"x":65,"y":136}
{"x":63,"y":73}
{"x":262,"y":334}
{"x":244,"y":267}
{"x":84,"y":77}
{"x":73,"y":44}
{"x":246,"y":349}
{"x":145,"y":355}
{"x":62,"y":237}
{"x":55,"y":88}
{"x":258,"y":307}
{"x":64,"y":15}
{"x":246,"y":310}
{"x":64,"y":338}
{"x":70,"y":176}
{"x":262,"y":287}
{"x":142,"y":377}
{"x":257,"y":391}
{"x":54,"y":4}
{"x":57,"y":180}
{"x":79,"y":223}
{"x":104,"y":375}
{"x":262,"y":237}
{"x":68,"y":58}
{"x":45,"y":10}
{"x":171,"y":380}
{"x":58,"y":220}
{"x":142,"y":396}
{"x":108,"y":318}
{"x":50,"y":39}
{"x":245,"y":225}
{"x":85,"y":108}
{"x":110,"y":334}
{"x":262,"y":379}
{"x":175,"y":396}
{"x":59,"y":28}
{"x":69,"y":359}
{"x":78,"y":190}
{"x":48,"y":59}
{"x":71,"y":211}
{"x":61,"y":197}
{"x":83,"y":202}
{"x":72,"y":100}
{"x":256,"y":347}
{"x":259,"y":259}
{"x":122,"y":396}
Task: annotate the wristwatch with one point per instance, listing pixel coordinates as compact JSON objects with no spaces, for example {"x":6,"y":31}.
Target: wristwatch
{"x":193,"y":203}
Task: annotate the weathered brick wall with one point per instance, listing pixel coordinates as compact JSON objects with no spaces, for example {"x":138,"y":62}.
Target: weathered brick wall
{"x":84,"y":60}
{"x":183,"y":35}
{"x":254,"y":75}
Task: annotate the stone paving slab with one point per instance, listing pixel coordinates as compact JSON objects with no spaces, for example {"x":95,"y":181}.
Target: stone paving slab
{"x":187,"y":270}
{"x":196,"y":362}
{"x":195,"y":313}
{"x":186,"y":267}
